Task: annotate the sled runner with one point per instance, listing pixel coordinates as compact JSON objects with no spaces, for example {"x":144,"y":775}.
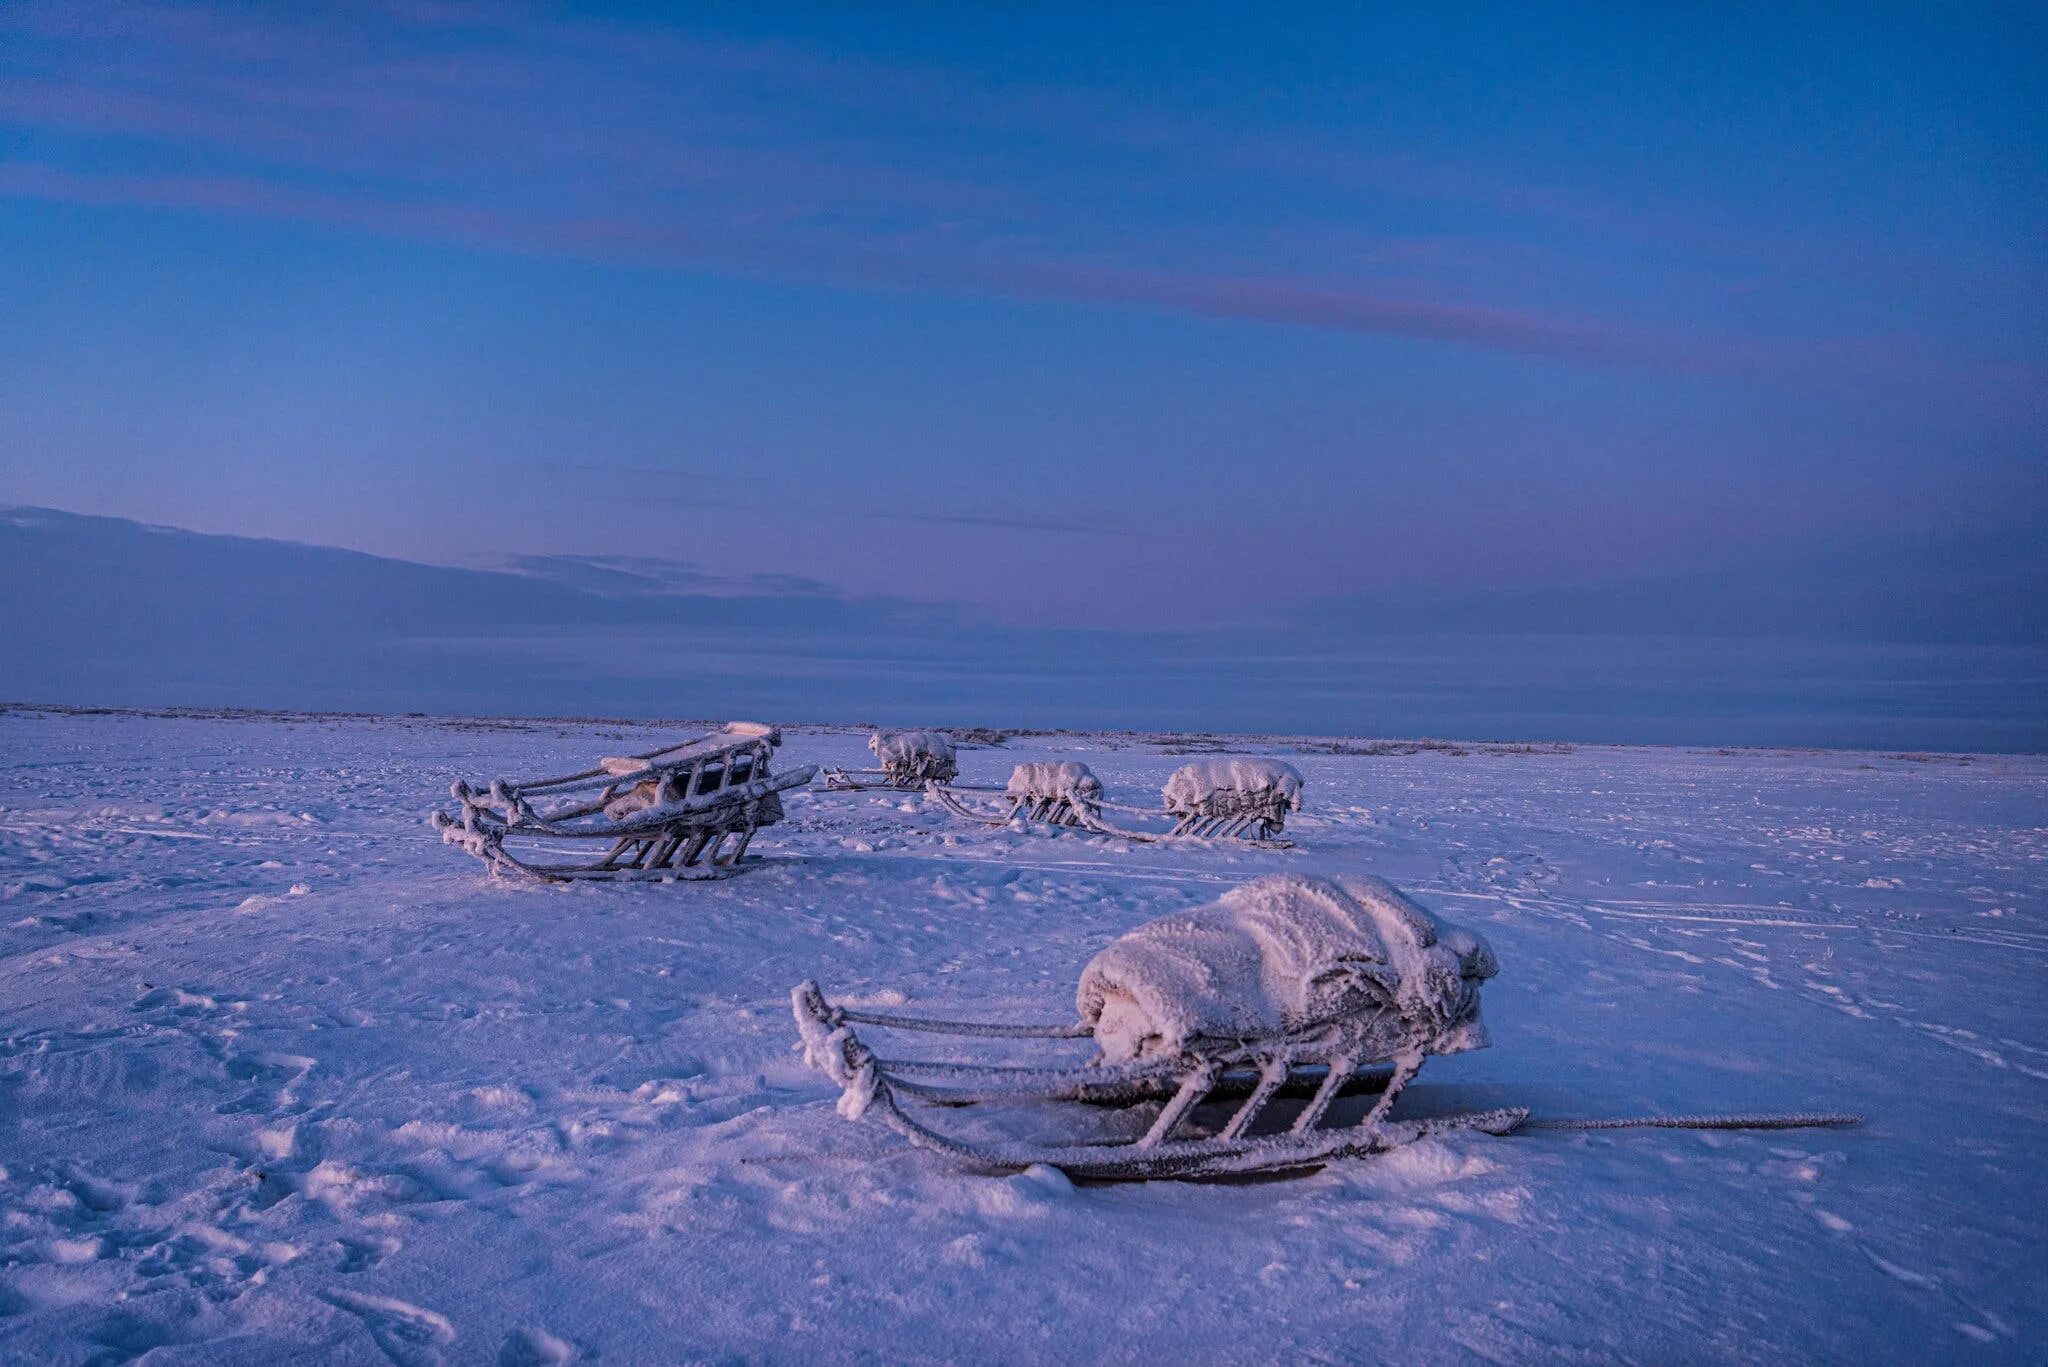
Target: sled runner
{"x":1284,"y":985}
{"x":909,"y":760}
{"x":1287,"y":989}
{"x":685,"y":811}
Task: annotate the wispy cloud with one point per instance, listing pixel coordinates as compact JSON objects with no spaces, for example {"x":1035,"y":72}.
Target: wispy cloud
{"x":993,"y":520}
{"x":651,"y":240}
{"x":523,"y":130}
{"x":705,"y":490}
{"x":630,"y":576}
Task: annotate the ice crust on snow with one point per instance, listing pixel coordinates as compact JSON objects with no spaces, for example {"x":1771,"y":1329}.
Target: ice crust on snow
{"x":1054,"y":778}
{"x":1287,"y":954}
{"x":1219,"y":786}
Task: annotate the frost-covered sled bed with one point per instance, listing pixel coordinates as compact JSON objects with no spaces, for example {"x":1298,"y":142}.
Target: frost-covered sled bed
{"x":685,"y":811}
{"x":1285,"y":989}
{"x":1243,"y":799}
{"x":909,"y":760}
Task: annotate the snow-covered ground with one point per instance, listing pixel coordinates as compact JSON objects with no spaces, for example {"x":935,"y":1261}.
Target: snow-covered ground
{"x":281,"y":1075}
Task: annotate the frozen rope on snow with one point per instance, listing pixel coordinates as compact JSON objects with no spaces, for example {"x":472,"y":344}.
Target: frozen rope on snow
{"x":1792,"y":1120}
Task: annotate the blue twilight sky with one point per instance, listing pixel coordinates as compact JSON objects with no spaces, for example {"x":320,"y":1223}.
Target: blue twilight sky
{"x":1078,"y":316}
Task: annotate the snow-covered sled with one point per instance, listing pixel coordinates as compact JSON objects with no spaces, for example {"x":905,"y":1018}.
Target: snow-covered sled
{"x":684,"y":811}
{"x":909,"y":760}
{"x":1243,"y":1023}
{"x":1240,"y":798}
{"x":1285,"y":984}
{"x":1233,"y":799}
{"x":1060,"y":792}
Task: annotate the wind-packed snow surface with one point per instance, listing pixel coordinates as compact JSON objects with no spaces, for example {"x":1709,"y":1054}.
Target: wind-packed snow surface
{"x":283,"y":1077}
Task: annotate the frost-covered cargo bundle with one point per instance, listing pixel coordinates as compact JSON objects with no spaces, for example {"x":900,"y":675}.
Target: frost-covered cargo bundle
{"x":1284,"y":956}
{"x":685,"y":811}
{"x":1284,"y":985}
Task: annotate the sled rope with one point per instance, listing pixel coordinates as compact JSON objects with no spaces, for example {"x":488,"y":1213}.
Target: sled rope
{"x":1796,"y":1120}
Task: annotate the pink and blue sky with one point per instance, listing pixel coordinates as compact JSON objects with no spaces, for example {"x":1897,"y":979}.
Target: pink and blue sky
{"x":1130,"y":318}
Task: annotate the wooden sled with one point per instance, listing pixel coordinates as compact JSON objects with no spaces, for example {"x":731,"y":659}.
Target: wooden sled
{"x":1284,"y":983}
{"x":685,"y":811}
{"x":909,"y":760}
{"x":1286,"y":987}
{"x":1055,"y":792}
{"x":1253,"y":810}
{"x":1252,"y":1076}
